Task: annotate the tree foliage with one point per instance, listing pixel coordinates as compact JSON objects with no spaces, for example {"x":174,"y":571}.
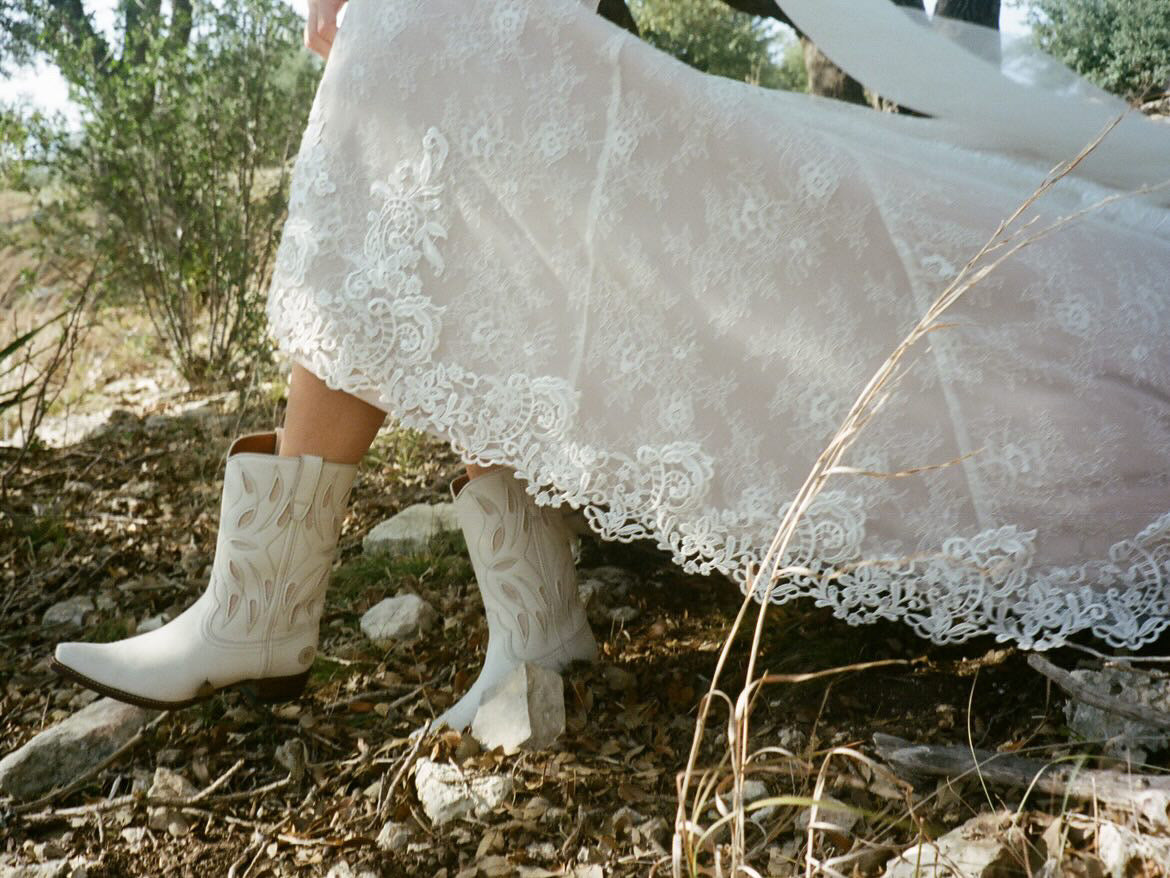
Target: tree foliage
{"x":182,"y":164}
{"x":1122,"y":45}
{"x":711,"y":36}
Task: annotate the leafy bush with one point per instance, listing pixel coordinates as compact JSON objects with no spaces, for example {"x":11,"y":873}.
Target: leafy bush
{"x":709,"y":35}
{"x":1122,"y":45}
{"x":183,"y":162}
{"x":45,"y":286}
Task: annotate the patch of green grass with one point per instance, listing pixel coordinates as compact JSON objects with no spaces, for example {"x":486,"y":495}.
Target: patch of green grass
{"x":406,"y":451}
{"x":442,"y":563}
{"x":108,"y":630}
{"x":325,"y":670}
{"x":41,"y":533}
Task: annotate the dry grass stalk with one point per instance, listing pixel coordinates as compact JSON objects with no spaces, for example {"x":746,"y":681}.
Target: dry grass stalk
{"x":690,"y":837}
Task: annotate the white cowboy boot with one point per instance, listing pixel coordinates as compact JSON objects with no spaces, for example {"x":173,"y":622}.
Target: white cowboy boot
{"x":524,"y":568}
{"x":257,"y":621}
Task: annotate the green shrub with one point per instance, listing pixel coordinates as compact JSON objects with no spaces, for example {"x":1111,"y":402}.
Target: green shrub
{"x":1122,"y":45}
{"x":183,"y":163}
{"x":709,"y":35}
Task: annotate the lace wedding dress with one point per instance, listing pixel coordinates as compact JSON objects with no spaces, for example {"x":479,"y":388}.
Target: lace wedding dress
{"x":655,"y":294}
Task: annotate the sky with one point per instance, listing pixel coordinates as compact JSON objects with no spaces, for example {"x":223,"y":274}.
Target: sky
{"x":43,"y":87}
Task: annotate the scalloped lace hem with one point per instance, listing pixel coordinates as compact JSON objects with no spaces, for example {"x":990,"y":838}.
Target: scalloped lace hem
{"x":978,"y":585}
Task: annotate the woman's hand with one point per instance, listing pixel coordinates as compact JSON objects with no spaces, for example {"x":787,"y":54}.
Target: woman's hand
{"x":321,"y":25}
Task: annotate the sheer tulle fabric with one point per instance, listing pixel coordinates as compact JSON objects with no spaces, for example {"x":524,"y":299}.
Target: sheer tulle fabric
{"x":655,"y":294}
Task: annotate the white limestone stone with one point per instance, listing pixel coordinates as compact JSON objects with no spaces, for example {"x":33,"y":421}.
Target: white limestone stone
{"x":411,"y":529}
{"x":974,"y":850}
{"x":446,"y":792}
{"x":60,"y":753}
{"x":169,"y":784}
{"x":1120,"y":736}
{"x":524,"y":711}
{"x":393,"y":837}
{"x":401,"y":617}
{"x":68,"y":612}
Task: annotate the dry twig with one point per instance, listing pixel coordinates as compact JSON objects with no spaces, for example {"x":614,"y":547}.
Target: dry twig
{"x":1096,"y":698}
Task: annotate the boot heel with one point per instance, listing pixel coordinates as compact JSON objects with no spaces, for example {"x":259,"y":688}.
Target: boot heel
{"x":272,"y":689}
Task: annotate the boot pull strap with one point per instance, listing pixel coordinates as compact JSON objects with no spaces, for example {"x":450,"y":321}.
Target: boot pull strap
{"x":307,"y":479}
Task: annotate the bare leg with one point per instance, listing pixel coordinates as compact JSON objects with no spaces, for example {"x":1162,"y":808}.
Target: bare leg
{"x":315,"y":413}
{"x":331,"y":424}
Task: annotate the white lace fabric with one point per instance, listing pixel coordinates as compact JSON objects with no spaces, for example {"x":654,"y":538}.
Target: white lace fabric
{"x":655,"y":294}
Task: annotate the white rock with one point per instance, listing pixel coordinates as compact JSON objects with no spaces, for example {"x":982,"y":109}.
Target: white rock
{"x":401,"y":617}
{"x":134,"y":836}
{"x":1118,"y":846}
{"x":411,"y":529}
{"x":974,"y":850}
{"x":60,"y":753}
{"x":393,"y":837}
{"x":623,"y":615}
{"x":1125,"y":738}
{"x":70,"y":612}
{"x":754,"y":789}
{"x":151,"y":623}
{"x":168,"y":784}
{"x":139,"y":488}
{"x":833,"y":819}
{"x":589,"y":590}
{"x":1114,"y":848}
{"x":84,"y":698}
{"x":791,"y":739}
{"x":615,"y":579}
{"x":342,"y":869}
{"x":524,"y":711}
{"x":47,"y":869}
{"x":543,"y":851}
{"x":447,"y":793}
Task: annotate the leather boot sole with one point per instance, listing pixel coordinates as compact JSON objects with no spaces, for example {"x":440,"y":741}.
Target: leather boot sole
{"x":269,"y":690}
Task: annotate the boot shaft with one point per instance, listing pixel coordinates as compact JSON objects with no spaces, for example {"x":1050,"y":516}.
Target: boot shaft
{"x":523,"y":563}
{"x":280,"y":520}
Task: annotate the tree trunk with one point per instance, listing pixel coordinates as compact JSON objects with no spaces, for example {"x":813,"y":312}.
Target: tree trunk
{"x":827,"y":79}
{"x":984,"y":12}
{"x":72,"y":17}
{"x":617,"y":12}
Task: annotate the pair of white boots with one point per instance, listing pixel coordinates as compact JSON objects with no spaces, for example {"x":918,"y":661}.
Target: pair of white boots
{"x":257,"y":623}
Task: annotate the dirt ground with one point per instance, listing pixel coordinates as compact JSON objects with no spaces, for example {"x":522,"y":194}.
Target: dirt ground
{"x":128,"y":517}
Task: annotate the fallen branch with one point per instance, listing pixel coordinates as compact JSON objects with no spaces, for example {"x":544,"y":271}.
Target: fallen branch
{"x":86,"y":776}
{"x":1095,"y":698}
{"x":1140,"y":795}
{"x":131,"y":799}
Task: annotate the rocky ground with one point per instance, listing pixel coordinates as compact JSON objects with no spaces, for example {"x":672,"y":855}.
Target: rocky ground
{"x":113,"y":533}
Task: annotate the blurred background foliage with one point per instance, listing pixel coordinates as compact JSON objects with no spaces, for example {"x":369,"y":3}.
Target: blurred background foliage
{"x":1122,"y":45}
{"x":713,"y":37}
